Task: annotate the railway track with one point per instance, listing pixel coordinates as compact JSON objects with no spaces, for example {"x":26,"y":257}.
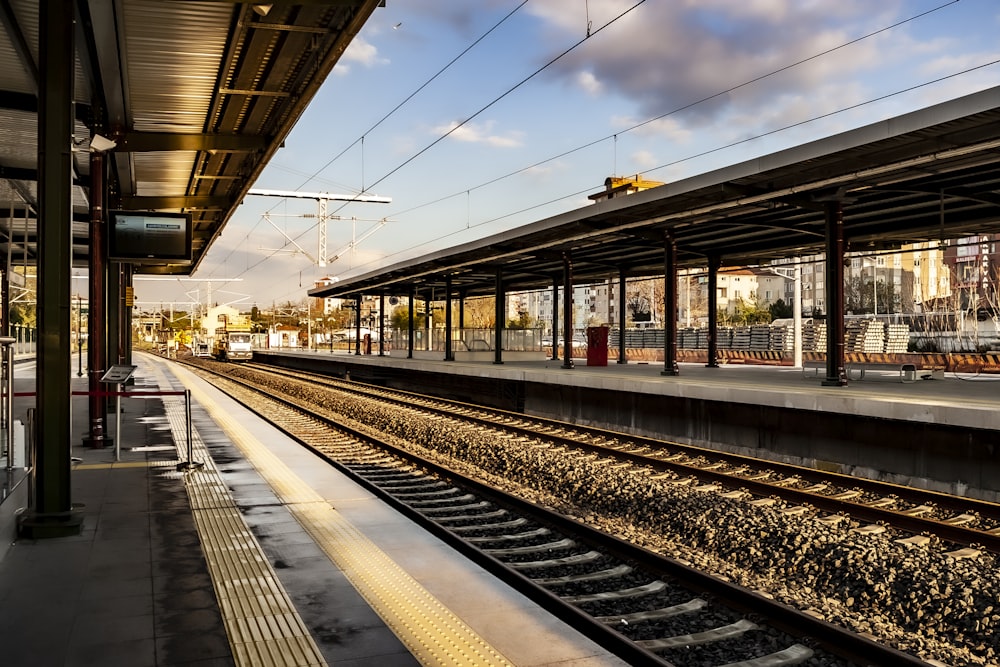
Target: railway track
{"x":626,"y":597}
{"x":962,"y":525}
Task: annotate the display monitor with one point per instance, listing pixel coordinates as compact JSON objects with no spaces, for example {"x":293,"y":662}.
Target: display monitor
{"x":147,"y":237}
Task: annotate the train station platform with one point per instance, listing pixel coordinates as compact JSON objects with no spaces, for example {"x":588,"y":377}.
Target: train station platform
{"x":254,"y":554}
{"x":929,"y":429}
{"x":964,"y":399}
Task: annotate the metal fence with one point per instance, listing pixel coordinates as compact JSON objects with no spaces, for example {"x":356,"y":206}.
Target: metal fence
{"x":468,"y":340}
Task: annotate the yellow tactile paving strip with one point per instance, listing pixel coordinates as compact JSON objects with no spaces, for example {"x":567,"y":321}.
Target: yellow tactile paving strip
{"x":432,"y":633}
{"x":263,"y":626}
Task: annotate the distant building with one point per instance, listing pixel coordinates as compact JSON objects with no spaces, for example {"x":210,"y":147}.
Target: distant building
{"x":330,"y":303}
{"x":761,"y":287}
{"x":620,"y":186}
{"x":215,"y":318}
{"x":974,"y":264}
{"x":283,"y":335}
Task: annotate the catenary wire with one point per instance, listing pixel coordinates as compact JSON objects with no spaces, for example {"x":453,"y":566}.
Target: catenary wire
{"x":315,"y":175}
{"x":713,"y":150}
{"x":684,"y":107}
{"x":639,"y":125}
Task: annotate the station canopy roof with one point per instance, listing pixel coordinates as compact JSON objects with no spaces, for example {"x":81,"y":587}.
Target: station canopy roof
{"x":925,"y":176}
{"x":198,"y":96}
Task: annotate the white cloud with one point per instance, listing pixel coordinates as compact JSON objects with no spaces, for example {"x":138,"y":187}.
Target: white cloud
{"x":479,"y":133}
{"x":679,"y":58}
{"x":589,"y":83}
{"x":359,"y":52}
{"x":644,"y":159}
{"x":667,"y":128}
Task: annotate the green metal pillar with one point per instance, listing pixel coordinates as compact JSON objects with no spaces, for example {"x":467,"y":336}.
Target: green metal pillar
{"x":670,"y":366}
{"x":567,"y":311}
{"x":52,"y":514}
{"x":499,"y":313}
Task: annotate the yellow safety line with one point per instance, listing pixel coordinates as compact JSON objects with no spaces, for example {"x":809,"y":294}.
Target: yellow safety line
{"x":261,"y":621}
{"x":432,"y":633}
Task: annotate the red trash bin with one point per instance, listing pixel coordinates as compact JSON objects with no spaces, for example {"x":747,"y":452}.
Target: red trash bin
{"x":597,"y":346}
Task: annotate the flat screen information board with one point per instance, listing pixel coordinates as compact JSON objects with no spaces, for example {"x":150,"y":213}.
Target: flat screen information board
{"x":146,"y":237}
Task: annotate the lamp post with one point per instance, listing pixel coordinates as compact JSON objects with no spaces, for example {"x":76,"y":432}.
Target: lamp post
{"x":79,"y":335}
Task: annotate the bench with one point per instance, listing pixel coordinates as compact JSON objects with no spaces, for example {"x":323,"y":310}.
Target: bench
{"x":907,"y":372}
{"x":856,"y":370}
{"x":813,"y":368}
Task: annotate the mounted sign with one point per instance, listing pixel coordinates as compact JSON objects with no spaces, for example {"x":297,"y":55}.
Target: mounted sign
{"x":118,"y":374}
{"x":148,"y":237}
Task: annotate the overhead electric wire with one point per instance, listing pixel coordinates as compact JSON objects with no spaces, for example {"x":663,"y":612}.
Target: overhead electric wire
{"x":712,"y":150}
{"x":504,"y":94}
{"x":415,"y":92}
{"x":687,"y":106}
{"x":409,"y":97}
{"x":634,"y":127}
{"x":477,"y":113}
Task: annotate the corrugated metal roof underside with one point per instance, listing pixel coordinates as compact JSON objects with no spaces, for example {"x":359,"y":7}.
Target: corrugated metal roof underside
{"x":924,"y":176}
{"x":197,"y":95}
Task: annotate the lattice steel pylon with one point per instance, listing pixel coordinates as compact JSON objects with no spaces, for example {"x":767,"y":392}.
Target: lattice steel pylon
{"x":322,"y":200}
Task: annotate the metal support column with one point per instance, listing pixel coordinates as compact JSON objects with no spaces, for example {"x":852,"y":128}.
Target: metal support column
{"x":836,"y":375}
{"x":567,"y":310}
{"x":797,"y":316}
{"x":461,"y":310}
{"x":127,"y":282}
{"x":555,"y":319}
{"x":428,"y":322}
{"x":499,"y":314}
{"x":669,"y":305}
{"x":621,"y":316}
{"x":96,"y":437}
{"x":52,"y":514}
{"x":381,"y":324}
{"x":357,"y":325}
{"x":410,"y":324}
{"x":714,"y":262}
{"x":449,"y":354}
{"x":113,"y":319}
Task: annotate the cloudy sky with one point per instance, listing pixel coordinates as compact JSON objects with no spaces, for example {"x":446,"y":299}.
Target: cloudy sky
{"x":484,"y":115}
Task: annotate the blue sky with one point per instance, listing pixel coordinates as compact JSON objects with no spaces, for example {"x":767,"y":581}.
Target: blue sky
{"x":669,"y":89}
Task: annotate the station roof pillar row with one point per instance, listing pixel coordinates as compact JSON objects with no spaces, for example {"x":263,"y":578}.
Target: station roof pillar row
{"x":922,"y":177}
{"x":185,"y":102}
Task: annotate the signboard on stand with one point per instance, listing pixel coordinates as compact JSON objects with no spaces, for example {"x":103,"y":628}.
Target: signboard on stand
{"x":118,"y":375}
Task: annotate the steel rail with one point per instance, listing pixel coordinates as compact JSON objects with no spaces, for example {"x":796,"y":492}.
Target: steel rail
{"x":833,"y":638}
{"x":958,"y":534}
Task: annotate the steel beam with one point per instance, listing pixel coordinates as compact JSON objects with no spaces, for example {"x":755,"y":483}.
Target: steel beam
{"x":567,"y":259}
{"x":836,"y":375}
{"x":714,"y":262}
{"x":669,"y":305}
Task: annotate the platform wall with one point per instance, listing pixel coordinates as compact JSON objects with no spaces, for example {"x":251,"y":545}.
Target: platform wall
{"x":937,"y":456}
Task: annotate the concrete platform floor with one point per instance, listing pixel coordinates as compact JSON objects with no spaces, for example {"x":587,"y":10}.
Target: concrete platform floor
{"x":141,"y":586}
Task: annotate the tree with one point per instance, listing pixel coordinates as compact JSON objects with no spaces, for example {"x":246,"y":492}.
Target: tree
{"x":522,"y":321}
{"x":750,"y":312}
{"x":780,"y":310}
{"x":400,"y":319}
{"x":23,"y":314}
{"x":480,"y":313}
{"x":862,"y":296}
